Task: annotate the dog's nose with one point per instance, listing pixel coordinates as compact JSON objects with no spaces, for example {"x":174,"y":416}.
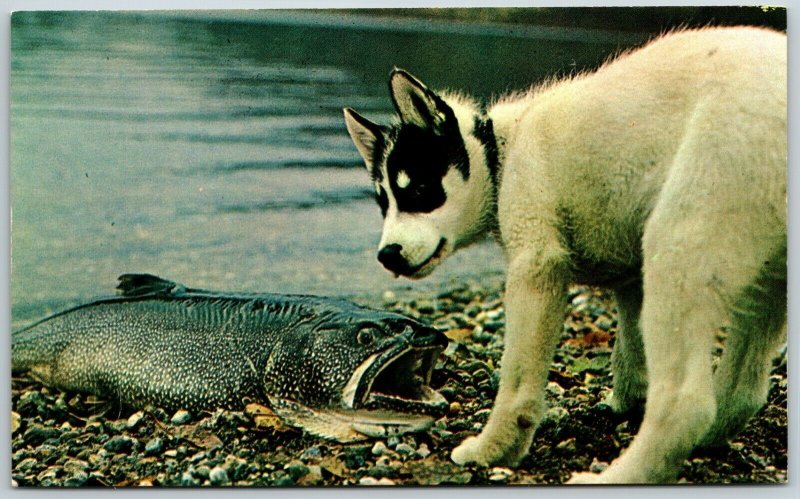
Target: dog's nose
{"x":391,"y":258}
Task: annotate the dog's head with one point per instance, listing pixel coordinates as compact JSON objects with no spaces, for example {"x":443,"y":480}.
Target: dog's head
{"x":430,"y":175}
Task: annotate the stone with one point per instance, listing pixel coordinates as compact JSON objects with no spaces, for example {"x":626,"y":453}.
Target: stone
{"x":405,"y":449}
{"x":379,"y":448}
{"x":180,"y":417}
{"x":153,"y":446}
{"x":134,"y":419}
{"x":120,"y":443}
{"x":218,"y":476}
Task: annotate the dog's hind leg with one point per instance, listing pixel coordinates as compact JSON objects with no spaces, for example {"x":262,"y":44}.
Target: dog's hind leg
{"x":706,"y":241}
{"x":741,"y":382}
{"x":628,"y":358}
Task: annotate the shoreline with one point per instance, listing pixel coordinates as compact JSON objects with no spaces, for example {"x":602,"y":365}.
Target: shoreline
{"x":68,"y":439}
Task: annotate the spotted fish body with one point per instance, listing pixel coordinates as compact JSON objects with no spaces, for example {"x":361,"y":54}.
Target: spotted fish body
{"x":163,"y":344}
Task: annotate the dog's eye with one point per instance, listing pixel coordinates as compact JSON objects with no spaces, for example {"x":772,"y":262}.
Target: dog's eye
{"x":365,"y":337}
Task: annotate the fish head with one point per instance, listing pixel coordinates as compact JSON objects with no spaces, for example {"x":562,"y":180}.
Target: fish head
{"x":357,"y":372}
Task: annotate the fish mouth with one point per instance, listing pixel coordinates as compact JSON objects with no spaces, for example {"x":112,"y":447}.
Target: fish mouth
{"x":397,"y":382}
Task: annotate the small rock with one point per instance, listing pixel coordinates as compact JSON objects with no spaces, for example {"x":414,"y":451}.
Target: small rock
{"x":134,"y":420}
{"x":455,"y":408}
{"x":392,"y":441}
{"x":180,"y":417}
{"x":146,"y":482}
{"x":379,"y":448}
{"x":153,"y":446}
{"x":283,"y":481}
{"x":566,"y":446}
{"x":296,"y":469}
{"x":27,"y":465}
{"x":74,"y":465}
{"x":187,"y":480}
{"x":218,"y":476}
{"x":555,"y":389}
{"x":368,"y":480}
{"x":312,"y":478}
{"x":404,"y":449}
{"x":120,"y":443}
{"x":423,"y":451}
{"x":604,"y":322}
{"x":385,"y":481}
{"x":37,"y":434}
{"x":15,"y":422}
{"x":556,"y":413}
{"x":498,"y":478}
{"x":202,"y":471}
{"x":380,"y":471}
{"x":78,"y":479}
{"x":311,"y":453}
{"x":598,"y":466}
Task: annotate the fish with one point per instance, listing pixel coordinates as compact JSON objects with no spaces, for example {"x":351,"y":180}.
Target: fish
{"x":333,"y":368}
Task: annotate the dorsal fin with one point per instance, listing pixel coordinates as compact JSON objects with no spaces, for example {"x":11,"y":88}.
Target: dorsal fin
{"x":146,"y":284}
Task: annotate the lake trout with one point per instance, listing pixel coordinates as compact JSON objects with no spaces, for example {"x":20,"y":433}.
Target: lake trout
{"x":334,"y":368}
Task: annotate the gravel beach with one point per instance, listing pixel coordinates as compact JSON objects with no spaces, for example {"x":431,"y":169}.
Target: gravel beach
{"x":70,"y":439}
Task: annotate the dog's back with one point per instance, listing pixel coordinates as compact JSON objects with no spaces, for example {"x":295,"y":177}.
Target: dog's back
{"x":604,"y":143}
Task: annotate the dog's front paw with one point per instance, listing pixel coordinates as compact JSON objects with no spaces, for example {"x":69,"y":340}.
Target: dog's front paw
{"x":469,"y":452}
{"x":477,"y":450}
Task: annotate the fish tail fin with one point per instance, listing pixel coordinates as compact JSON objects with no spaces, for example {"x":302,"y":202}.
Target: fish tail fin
{"x":146,"y":284}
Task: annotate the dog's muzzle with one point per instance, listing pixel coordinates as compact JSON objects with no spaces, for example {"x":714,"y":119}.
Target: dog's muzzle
{"x":393,"y":260}
{"x":391,"y":257}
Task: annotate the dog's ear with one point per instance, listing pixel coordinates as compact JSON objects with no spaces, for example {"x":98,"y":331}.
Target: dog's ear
{"x":366,"y":135}
{"x":416,"y":104}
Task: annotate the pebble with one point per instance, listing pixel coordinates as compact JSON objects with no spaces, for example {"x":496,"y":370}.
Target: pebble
{"x":283,"y":481}
{"x":604,"y":322}
{"x":556,"y":413}
{"x":455,"y":408}
{"x":555,"y":389}
{"x":566,"y":446}
{"x":202,"y":471}
{"x":311,"y":453}
{"x":134,"y":419}
{"x":379,"y":448}
{"x":598,"y":466}
{"x":313,"y":477}
{"x":15,"y":421}
{"x":153,"y":446}
{"x":187,"y":480}
{"x":218,"y":476}
{"x":423,"y":451}
{"x":368,"y":480}
{"x":37,"y":434}
{"x":180,"y":417}
{"x":500,"y":474}
{"x":405,"y":449}
{"x":392,"y":441}
{"x":296,"y":469}
{"x":77,"y":479}
{"x":120,"y":443}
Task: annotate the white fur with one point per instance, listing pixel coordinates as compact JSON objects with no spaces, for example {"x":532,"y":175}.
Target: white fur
{"x":671,"y":159}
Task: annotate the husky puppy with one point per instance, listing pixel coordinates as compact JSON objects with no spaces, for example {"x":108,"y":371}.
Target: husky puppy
{"x":662,"y":175}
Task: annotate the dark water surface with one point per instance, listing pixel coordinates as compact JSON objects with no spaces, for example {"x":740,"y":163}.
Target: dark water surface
{"x":210,"y":147}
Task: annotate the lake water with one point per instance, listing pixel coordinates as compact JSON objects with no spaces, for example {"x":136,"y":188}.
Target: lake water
{"x":210,"y":147}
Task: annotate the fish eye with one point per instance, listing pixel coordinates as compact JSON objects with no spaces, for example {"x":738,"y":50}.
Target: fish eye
{"x":365,"y":337}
